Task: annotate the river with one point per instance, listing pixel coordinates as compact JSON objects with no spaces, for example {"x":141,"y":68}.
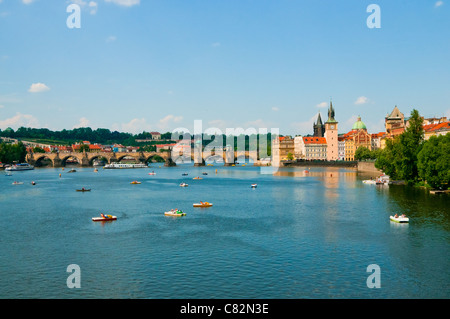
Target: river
{"x":296,"y":235}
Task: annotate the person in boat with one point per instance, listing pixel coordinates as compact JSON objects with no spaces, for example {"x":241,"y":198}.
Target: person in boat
{"x":103,"y":215}
{"x":403,"y":216}
{"x":396,"y":216}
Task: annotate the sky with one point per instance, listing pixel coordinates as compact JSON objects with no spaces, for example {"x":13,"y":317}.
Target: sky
{"x":159,"y":65}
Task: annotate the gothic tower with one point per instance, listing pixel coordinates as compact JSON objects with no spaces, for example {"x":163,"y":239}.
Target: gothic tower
{"x":319,"y":128}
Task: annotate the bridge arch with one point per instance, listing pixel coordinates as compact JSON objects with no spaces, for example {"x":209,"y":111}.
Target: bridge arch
{"x":40,"y":158}
{"x":65,"y":158}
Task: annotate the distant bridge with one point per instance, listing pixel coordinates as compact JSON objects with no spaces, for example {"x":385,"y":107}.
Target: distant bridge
{"x":88,"y":158}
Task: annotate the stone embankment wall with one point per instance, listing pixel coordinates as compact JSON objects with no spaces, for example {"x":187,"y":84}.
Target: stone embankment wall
{"x":368,"y":167}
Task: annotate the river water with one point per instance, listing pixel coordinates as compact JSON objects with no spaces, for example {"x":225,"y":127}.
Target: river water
{"x":296,"y":235}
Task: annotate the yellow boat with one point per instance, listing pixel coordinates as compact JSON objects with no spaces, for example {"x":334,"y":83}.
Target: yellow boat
{"x":197,"y":177}
{"x":202,"y":204}
{"x":135,"y":182}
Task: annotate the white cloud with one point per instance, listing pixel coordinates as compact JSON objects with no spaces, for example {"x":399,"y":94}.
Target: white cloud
{"x":18,"y":120}
{"x":125,"y":3}
{"x":84,"y":122}
{"x":322,"y":105}
{"x":438,"y":4}
{"x":27,"y":1}
{"x":305,"y":127}
{"x":111,"y":38}
{"x":38,"y":87}
{"x":165,"y":122}
{"x":275,"y":109}
{"x":361,"y":100}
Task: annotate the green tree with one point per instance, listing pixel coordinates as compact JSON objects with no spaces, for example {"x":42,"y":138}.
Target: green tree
{"x":290,"y":156}
{"x":363,"y":153}
{"x":434,"y":161}
{"x":399,"y":158}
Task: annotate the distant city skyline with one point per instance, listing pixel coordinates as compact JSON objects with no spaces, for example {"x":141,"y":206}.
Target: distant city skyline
{"x":138,"y":66}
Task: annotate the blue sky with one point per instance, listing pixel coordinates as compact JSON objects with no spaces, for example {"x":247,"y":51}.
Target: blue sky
{"x":150,"y":65}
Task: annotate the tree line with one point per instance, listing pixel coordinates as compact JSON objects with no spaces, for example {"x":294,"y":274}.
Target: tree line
{"x":10,"y":153}
{"x":410,"y":158}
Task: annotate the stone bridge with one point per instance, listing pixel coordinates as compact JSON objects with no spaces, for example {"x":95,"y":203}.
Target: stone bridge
{"x":88,"y":158}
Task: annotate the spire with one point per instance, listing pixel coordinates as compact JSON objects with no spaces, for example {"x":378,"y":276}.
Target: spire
{"x":319,"y":120}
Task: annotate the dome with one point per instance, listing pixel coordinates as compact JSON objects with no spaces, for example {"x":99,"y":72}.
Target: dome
{"x":359,"y":125}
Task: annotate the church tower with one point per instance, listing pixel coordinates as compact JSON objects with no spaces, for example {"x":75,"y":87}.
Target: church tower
{"x":331,"y":134}
{"x":319,"y":128}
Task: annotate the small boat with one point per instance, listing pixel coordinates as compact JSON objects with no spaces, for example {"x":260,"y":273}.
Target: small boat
{"x":175,"y":213}
{"x":152,"y":173}
{"x":33,"y":183}
{"x":95,"y":170}
{"x":104,"y":218}
{"x":184,"y":174}
{"x":197,"y":177}
{"x":370,"y":181}
{"x":202,"y":204}
{"x":204,"y":173}
{"x":399,"y":219}
{"x":72,"y":171}
{"x":306,"y":171}
{"x":84,"y":190}
{"x":254,"y":185}
{"x":17,"y":183}
{"x":184,"y":185}
{"x":135,"y":182}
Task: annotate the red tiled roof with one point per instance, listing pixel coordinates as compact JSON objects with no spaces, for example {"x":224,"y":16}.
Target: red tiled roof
{"x":439,"y":126}
{"x":314,"y":140}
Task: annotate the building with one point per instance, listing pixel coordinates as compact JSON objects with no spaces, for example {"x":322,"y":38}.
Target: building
{"x":436,"y":129}
{"x":315,"y":148}
{"x":395,"y":123}
{"x":282,"y":147}
{"x":356,"y":138}
{"x":377,"y":139}
{"x":318,"y":127}
{"x":341,"y":148}
{"x":156,"y":135}
{"x":331,"y":135}
{"x":299,"y":147}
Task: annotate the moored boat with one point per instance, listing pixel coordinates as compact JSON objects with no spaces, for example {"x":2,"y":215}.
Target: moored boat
{"x":20,"y":167}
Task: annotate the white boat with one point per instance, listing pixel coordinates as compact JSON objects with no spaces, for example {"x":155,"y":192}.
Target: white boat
{"x":20,"y":167}
{"x":254,"y":185}
{"x":370,"y":181}
{"x":399,"y":219}
{"x":120,"y":165}
{"x":184,"y":185}
{"x":17,"y":183}
{"x":175,"y":213}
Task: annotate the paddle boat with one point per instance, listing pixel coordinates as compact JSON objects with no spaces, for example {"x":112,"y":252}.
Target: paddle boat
{"x":184,"y":185}
{"x":152,"y":173}
{"x":197,"y":177}
{"x":17,"y":183}
{"x":175,"y":213}
{"x":104,"y":218}
{"x":33,"y":183}
{"x":399,"y":219}
{"x":202,"y":204}
{"x":135,"y":182}
{"x":84,"y":190}
{"x":254,"y":185}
